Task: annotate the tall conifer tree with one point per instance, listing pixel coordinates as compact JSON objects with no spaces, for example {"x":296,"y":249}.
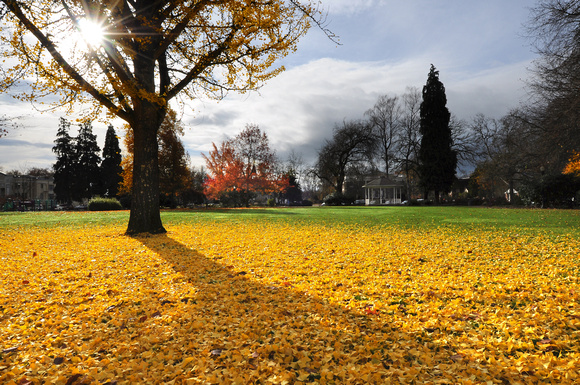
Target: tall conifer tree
{"x":64,"y":168}
{"x":111,"y":165}
{"x":87,"y":166}
{"x":436,"y":157}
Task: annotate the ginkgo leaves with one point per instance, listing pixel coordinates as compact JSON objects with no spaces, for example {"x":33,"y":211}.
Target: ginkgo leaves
{"x":274,"y":303}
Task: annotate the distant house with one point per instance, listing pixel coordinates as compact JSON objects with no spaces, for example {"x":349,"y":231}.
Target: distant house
{"x":384,"y":190}
{"x":26,"y":187}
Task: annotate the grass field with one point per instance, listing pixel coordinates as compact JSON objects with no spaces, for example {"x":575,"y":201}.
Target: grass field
{"x":357,"y":295}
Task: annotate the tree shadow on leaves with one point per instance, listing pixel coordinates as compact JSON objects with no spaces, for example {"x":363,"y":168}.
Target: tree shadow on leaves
{"x":243,"y":329}
{"x":240,"y":330}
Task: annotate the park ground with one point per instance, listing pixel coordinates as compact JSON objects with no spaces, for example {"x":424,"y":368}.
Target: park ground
{"x":357,"y":295}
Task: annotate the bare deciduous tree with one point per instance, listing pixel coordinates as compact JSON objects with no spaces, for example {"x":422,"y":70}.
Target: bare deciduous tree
{"x":555,"y":27}
{"x":386,"y":120}
{"x":351,"y":142}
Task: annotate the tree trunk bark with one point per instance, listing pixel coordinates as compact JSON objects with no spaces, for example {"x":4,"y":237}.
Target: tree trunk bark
{"x":339,"y":184}
{"x":148,"y":115}
{"x":145,"y":216}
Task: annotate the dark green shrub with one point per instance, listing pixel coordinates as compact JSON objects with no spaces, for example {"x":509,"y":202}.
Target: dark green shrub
{"x":337,"y":199}
{"x":104,"y":204}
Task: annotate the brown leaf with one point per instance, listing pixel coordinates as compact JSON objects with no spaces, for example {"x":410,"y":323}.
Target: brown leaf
{"x":72,"y":379}
{"x":472,"y":316}
{"x":456,"y":357}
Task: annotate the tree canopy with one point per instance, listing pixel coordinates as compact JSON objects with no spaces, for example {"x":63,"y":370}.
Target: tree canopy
{"x":386,"y":120}
{"x":352,"y":142}
{"x":145,"y":55}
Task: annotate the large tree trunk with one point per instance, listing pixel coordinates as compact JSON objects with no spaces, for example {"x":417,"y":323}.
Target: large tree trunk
{"x":148,"y":116}
{"x":145,"y":216}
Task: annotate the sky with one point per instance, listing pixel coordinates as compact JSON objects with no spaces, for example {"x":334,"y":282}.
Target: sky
{"x":478,"y":47}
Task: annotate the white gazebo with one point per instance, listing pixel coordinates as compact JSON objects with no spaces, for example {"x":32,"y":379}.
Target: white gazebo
{"x":384,"y":190}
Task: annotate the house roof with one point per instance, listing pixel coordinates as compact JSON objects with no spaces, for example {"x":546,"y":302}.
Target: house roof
{"x":384,"y":181}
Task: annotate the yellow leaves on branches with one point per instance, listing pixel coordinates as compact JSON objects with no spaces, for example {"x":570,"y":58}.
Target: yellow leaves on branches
{"x":227,"y":302}
{"x":573,"y":166}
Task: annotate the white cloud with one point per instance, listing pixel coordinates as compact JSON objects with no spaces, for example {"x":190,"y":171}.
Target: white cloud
{"x":350,"y":6}
{"x":300,"y":107}
{"x":387,"y":46}
{"x":29,"y":144}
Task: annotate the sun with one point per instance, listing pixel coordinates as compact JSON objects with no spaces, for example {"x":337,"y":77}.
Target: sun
{"x":92,"y":32}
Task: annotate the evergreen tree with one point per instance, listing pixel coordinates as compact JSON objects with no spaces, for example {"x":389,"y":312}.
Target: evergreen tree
{"x":293,"y":192}
{"x":174,"y":174}
{"x":436,"y":157}
{"x":64,"y":168}
{"x":111,"y":166}
{"x":87,"y":165}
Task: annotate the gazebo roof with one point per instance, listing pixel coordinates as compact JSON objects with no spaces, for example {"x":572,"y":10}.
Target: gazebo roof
{"x":384,"y":181}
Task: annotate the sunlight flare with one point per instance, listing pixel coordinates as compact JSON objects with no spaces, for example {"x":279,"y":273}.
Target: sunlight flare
{"x":92,"y":32}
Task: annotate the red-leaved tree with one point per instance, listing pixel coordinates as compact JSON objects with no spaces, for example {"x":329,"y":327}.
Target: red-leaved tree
{"x":242,"y":167}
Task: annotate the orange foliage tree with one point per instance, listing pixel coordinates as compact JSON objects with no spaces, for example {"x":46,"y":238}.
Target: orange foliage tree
{"x":242,"y":167}
{"x":133,"y":57}
{"x":573,"y":166}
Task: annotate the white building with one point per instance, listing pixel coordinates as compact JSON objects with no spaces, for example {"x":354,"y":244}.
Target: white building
{"x":385,"y":190}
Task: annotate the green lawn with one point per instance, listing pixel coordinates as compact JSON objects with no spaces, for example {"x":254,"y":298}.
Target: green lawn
{"x":526,"y":220}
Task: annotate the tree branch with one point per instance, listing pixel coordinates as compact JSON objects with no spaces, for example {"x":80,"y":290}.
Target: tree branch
{"x":67,"y":68}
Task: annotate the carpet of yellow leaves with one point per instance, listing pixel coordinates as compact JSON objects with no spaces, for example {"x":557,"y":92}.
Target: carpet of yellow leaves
{"x":242,"y":303}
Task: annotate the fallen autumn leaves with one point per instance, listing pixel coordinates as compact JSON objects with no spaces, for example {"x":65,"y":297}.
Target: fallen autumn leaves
{"x":287,"y":303}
